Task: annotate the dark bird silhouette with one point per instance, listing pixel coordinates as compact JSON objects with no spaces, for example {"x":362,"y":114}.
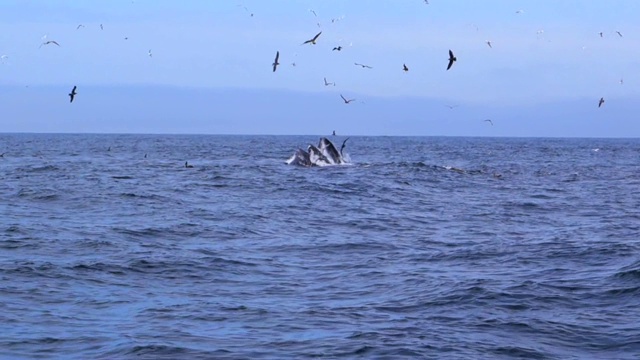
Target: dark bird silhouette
{"x":334,"y":134}
{"x":101,"y":27}
{"x":601,"y":102}
{"x":326,"y":83}
{"x":343,"y":145}
{"x":72,"y":94}
{"x":49,"y":42}
{"x":452,"y":59}
{"x":345,"y":100}
{"x":489,"y":121}
{"x":313,"y":40}
{"x":186,"y":164}
{"x":489,"y":43}
{"x":79,"y":26}
{"x":364,"y":66}
{"x":275,"y":62}
{"x":600,"y":33}
{"x":338,"y":48}
{"x":405,"y":68}
{"x":618,"y":32}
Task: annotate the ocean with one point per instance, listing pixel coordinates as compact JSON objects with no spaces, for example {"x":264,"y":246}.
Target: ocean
{"x":422,"y":248}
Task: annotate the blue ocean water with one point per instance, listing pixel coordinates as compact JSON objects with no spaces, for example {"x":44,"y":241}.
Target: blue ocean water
{"x":424,"y":247}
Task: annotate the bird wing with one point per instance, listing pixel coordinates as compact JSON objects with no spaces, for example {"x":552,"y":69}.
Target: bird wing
{"x":53,"y":42}
{"x":343,"y":144}
{"x":277,"y":56}
{"x":450,"y":63}
{"x":315,"y":37}
{"x":345,"y":100}
{"x":74,"y":89}
{"x":451,"y":56}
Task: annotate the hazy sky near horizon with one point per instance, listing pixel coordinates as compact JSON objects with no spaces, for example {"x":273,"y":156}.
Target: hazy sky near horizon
{"x":541,"y":51}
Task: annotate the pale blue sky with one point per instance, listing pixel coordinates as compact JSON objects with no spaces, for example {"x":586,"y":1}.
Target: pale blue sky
{"x":548,"y":54}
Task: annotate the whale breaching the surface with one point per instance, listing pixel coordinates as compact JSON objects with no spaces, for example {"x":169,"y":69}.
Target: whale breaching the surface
{"x":322,"y":155}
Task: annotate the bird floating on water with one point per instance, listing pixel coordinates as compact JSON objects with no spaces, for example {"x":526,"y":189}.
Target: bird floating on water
{"x":72,"y":94}
{"x":275,"y":61}
{"x":345,"y":100}
{"x":312,"y":40}
{"x":187,"y":165}
{"x":452,"y":59}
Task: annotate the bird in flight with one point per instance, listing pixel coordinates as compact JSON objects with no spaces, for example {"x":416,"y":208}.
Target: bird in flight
{"x":405,"y":68}
{"x":343,"y":145}
{"x":79,"y":26}
{"x":600,"y":33}
{"x":618,"y":32}
{"x":72,"y":94}
{"x":363,"y":66}
{"x":49,"y":42}
{"x":275,"y":61}
{"x":101,"y":27}
{"x":337,"y":48}
{"x":489,"y":121}
{"x":489,"y":43}
{"x":326,"y":83}
{"x":150,"y":54}
{"x":601,"y":102}
{"x":452,"y":59}
{"x":345,"y":100}
{"x":313,"y":12}
{"x":313,"y":40}
{"x":451,"y":107}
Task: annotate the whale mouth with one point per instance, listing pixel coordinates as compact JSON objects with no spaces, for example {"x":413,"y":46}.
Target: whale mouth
{"x":325,"y":154}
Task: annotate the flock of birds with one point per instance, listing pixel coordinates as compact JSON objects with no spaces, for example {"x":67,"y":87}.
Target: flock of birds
{"x":452,"y":59}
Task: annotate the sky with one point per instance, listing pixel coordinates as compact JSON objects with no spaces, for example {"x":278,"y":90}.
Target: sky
{"x":205,"y":67}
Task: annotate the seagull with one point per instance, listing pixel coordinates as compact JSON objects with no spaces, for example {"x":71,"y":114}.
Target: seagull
{"x":452,"y":59}
{"x":519,"y":11}
{"x":490,"y":122}
{"x":601,"y":102}
{"x":79,"y":26}
{"x":313,"y":40}
{"x":72,"y":94}
{"x":101,"y":27}
{"x":451,"y":107}
{"x":328,"y":83}
{"x":150,"y":54}
{"x":314,"y":13}
{"x":489,"y":43}
{"x":49,"y":42}
{"x":363,"y":66}
{"x":405,"y":68}
{"x":618,"y":32}
{"x":343,"y":144}
{"x":337,"y":48}
{"x":275,"y":61}
{"x":600,"y":33}
{"x":345,"y":100}
{"x":186,"y":164}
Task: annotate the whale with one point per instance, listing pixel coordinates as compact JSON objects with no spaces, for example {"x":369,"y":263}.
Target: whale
{"x":324,"y":154}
